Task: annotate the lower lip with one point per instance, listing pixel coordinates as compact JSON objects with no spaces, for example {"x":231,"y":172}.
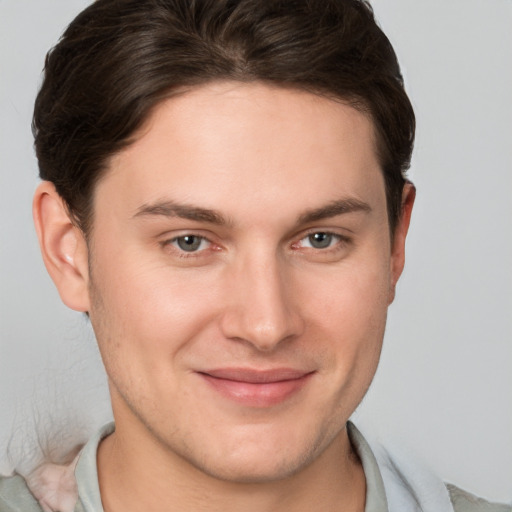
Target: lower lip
{"x":257,"y":394}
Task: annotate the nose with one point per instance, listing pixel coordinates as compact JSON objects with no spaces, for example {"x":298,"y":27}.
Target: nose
{"x":261,"y":310}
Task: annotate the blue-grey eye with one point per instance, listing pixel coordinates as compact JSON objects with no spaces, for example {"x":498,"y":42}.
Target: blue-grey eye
{"x":189,"y":243}
{"x":320,"y":240}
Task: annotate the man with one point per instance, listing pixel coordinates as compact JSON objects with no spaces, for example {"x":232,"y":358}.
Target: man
{"x":224,"y":196}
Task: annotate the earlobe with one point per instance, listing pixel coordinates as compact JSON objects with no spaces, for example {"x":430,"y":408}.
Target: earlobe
{"x":63,"y":247}
{"x":398,"y":248}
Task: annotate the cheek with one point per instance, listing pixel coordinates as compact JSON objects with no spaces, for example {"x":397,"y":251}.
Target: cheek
{"x":348,"y":317}
{"x":352,"y":297}
{"x":146,"y":313}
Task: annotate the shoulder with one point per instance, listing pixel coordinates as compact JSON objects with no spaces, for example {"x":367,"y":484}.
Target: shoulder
{"x":15,"y":496}
{"x":464,"y":501}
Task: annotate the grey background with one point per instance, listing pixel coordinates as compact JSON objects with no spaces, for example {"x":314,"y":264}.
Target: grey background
{"x":444,"y":387}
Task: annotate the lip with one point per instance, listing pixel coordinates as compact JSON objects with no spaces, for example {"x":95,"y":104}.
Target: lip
{"x":257,"y":388}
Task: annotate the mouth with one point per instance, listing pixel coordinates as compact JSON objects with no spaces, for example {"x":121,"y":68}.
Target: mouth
{"x":256,"y":388}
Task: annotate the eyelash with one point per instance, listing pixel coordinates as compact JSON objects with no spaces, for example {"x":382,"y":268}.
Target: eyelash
{"x":181,"y":253}
{"x":340,"y":242}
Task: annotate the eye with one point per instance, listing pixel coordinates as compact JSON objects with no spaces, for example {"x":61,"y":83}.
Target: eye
{"x":320,"y":240}
{"x":190,"y":243}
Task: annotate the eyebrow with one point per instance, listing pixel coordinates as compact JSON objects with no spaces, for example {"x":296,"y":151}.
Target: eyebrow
{"x":170,"y":208}
{"x":333,"y":209}
{"x":184,"y":211}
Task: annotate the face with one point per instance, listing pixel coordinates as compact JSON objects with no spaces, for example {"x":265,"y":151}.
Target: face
{"x":241,"y":270}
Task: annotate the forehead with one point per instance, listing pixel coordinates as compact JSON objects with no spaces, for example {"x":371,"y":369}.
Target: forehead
{"x":241,"y":145}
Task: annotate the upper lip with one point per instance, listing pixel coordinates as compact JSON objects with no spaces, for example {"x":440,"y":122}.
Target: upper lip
{"x":256,"y":376}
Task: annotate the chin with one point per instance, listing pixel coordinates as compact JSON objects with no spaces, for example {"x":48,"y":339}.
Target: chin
{"x":261,"y":458}
{"x":255,"y":471}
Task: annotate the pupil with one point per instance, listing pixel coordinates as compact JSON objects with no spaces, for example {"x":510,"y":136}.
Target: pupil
{"x":320,"y":240}
{"x":189,"y":243}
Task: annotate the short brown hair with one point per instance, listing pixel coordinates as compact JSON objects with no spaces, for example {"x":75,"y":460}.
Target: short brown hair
{"x":120,"y":58}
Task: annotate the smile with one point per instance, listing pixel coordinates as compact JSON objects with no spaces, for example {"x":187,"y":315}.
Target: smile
{"x":256,"y":388}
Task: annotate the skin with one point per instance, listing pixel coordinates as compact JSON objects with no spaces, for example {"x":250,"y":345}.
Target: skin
{"x":256,"y":170}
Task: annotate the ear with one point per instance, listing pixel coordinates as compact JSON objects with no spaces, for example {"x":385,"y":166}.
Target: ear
{"x":398,"y":248}
{"x":63,"y":247}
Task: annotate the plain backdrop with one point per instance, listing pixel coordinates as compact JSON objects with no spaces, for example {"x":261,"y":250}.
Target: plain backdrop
{"x":444,"y":386}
